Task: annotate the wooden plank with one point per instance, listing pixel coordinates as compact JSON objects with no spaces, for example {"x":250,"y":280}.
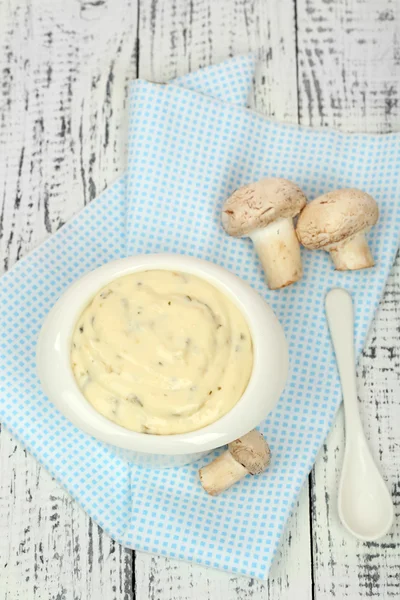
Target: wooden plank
{"x":290,"y":576}
{"x":49,"y":548}
{"x":63,"y":127}
{"x":349,"y":65}
{"x":343,"y":567}
{"x":65,"y":66}
{"x":178,"y":37}
{"x":71,"y":60}
{"x":349,"y":74}
{"x":175,"y":38}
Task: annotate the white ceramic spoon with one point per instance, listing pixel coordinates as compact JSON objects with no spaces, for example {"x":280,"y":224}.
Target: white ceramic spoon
{"x":364,"y":503}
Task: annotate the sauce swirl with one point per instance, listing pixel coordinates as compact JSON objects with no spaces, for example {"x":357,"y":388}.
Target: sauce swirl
{"x":162,"y":352}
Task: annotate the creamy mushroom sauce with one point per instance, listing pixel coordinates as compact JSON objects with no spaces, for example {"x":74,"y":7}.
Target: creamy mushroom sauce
{"x":162,"y":352}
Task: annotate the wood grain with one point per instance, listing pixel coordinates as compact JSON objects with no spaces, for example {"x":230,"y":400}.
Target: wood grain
{"x":49,"y":548}
{"x":178,"y":37}
{"x":65,"y":67}
{"x":349,"y":74}
{"x":344,"y":567}
{"x":158,"y":577}
{"x":349,"y":64}
{"x":175,"y":39}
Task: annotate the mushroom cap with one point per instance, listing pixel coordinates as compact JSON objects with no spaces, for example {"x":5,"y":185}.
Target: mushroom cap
{"x":251,"y":451}
{"x":336,"y":216}
{"x":256,"y":205}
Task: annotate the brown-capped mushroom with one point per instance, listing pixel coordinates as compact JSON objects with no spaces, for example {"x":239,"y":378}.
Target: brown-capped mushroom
{"x":249,"y":454}
{"x":337,"y":222}
{"x":264,"y":211}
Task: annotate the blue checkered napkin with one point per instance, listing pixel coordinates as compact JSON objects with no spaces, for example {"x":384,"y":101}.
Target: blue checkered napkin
{"x":229,"y":81}
{"x":93,"y":475}
{"x":187,"y":153}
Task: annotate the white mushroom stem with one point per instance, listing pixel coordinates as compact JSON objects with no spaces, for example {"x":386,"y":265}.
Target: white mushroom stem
{"x":249,"y":454}
{"x":351,"y":254}
{"x":279,"y":251}
{"x":221,"y":474}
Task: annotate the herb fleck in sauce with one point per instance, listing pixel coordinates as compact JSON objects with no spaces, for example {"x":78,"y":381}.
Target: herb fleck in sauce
{"x":173,"y":339}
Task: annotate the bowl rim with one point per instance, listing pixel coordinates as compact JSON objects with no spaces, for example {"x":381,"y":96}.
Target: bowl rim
{"x":270,"y":360}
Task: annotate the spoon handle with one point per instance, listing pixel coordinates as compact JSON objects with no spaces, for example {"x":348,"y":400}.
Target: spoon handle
{"x":340,"y":315}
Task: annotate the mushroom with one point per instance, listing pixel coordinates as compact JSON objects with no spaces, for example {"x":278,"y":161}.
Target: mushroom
{"x":337,"y":222}
{"x":248,"y":454}
{"x":264,"y":212}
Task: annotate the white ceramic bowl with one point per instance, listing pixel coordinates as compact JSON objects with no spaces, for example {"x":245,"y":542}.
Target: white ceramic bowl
{"x":268,"y":377}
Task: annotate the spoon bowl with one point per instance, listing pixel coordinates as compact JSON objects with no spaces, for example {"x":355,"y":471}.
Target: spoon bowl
{"x":364,"y":503}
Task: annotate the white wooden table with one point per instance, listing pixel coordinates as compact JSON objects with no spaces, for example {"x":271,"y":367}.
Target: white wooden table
{"x":65,"y":65}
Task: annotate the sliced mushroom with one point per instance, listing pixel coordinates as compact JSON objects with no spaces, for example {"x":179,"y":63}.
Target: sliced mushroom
{"x":250,"y":454}
{"x":264,"y":212}
{"x":337,"y":222}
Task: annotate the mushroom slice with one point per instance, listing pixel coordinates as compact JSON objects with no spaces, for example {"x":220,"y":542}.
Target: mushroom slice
{"x":249,"y":454}
{"x":337,"y":222}
{"x":264,"y":212}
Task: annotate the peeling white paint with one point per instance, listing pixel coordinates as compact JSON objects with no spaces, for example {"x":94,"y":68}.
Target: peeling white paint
{"x":65,"y":67}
